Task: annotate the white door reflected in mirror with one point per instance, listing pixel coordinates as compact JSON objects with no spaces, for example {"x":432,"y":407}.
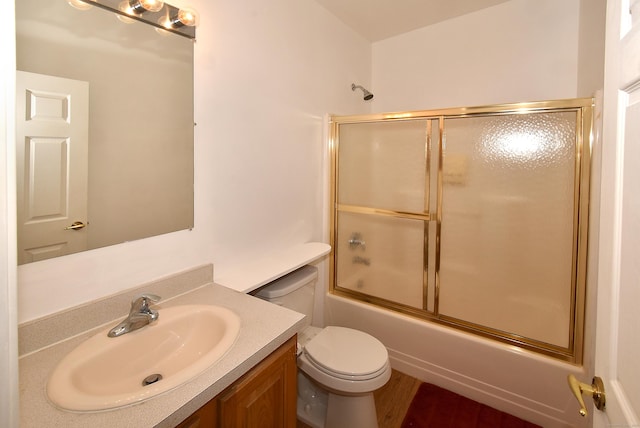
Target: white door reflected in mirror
{"x":52,"y":134}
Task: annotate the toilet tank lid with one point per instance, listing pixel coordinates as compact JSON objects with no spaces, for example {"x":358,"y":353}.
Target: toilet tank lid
{"x":288,"y":283}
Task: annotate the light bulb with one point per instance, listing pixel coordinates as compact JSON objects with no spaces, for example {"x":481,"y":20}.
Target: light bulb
{"x":79,"y":4}
{"x":188,"y":17}
{"x":184,"y":17}
{"x":141,"y":6}
{"x":125,"y":7}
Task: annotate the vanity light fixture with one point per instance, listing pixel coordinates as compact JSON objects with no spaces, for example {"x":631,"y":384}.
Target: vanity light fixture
{"x":163,"y":16}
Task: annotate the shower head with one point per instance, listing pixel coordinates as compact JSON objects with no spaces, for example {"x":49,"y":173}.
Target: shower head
{"x":367,"y":95}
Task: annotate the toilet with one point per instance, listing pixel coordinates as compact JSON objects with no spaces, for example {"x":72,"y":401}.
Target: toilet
{"x":339,"y":367}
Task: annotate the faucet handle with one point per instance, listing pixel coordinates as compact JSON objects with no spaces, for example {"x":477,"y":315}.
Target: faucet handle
{"x":142,"y":301}
{"x":152,"y":297}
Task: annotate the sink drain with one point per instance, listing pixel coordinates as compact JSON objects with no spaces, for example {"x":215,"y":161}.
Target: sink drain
{"x":151,"y":379}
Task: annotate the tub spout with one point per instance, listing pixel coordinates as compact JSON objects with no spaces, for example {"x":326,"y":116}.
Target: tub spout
{"x":361,"y":260}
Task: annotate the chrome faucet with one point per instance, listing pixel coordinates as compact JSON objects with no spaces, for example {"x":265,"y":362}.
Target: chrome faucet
{"x":139,"y":315}
{"x":356,"y":241}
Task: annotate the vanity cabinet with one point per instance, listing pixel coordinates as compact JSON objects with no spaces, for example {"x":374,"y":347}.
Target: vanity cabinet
{"x":205,"y":417}
{"x":263,"y":397}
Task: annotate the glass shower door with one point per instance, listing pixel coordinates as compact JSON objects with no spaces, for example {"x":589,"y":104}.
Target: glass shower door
{"x":475,"y":218}
{"x":382,"y":207}
{"x":508,"y":232}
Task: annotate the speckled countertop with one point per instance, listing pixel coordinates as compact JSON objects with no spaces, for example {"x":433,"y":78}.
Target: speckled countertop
{"x":264,"y":328}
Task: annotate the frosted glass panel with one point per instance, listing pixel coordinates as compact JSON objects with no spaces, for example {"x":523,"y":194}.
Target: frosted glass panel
{"x":383,"y":165}
{"x":507,"y":223}
{"x":382,"y":257}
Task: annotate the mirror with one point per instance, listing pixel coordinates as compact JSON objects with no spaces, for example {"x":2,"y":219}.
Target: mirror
{"x":104,"y":129}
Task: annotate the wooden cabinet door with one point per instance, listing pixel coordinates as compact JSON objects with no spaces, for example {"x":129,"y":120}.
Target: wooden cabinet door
{"x":205,"y":417}
{"x":265,"y":397}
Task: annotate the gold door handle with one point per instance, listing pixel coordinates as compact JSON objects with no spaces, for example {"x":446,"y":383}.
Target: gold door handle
{"x":596,"y":390}
{"x":77,"y":225}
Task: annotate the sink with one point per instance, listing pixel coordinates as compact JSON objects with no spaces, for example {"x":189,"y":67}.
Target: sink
{"x":106,"y":373}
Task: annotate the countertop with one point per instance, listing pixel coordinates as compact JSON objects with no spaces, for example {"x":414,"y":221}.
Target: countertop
{"x":265,"y":327}
{"x":271,"y":266}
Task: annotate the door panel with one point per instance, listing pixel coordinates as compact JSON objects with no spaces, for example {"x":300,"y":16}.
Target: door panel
{"x":618,"y":324}
{"x":52,"y":154}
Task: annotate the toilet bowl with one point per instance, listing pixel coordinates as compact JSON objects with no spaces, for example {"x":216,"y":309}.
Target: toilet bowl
{"x":339,"y":367}
{"x":349,"y":365}
{"x":347,"y":360}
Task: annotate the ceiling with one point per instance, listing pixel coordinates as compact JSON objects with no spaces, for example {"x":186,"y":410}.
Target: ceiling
{"x":380,"y":19}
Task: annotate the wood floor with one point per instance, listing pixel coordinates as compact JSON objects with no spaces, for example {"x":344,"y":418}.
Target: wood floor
{"x":392,"y":400}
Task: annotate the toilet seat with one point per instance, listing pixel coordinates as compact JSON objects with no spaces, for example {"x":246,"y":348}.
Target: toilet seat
{"x":347,"y":354}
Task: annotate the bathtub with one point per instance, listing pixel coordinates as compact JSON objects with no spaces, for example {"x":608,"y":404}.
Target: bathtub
{"x":522,"y":383}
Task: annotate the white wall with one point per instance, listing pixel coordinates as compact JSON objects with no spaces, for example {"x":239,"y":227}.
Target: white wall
{"x":516,"y":51}
{"x":265,"y":74}
{"x":591,"y":49}
{"x":8,"y":295}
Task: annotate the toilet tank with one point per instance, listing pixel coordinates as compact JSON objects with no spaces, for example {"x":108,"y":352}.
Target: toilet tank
{"x":294,"y":291}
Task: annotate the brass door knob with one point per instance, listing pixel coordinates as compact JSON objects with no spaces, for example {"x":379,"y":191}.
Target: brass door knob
{"x":596,"y":390}
{"x":77,"y":225}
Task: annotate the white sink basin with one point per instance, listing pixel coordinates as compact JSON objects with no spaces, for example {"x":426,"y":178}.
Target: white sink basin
{"x":106,"y":373}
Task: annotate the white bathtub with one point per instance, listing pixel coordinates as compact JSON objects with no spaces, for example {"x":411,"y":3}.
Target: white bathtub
{"x":525,"y":384}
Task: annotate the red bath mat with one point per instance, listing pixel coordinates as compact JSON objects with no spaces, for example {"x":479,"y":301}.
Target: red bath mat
{"x":434,"y":407}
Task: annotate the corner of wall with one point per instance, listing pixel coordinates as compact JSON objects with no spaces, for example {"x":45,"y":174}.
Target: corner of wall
{"x":591,"y":38}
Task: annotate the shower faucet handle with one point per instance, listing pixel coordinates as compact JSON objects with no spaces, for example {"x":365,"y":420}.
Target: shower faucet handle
{"x":356,"y":241}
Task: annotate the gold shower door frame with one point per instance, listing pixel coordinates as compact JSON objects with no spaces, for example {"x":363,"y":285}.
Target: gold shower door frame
{"x":583,"y":107}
